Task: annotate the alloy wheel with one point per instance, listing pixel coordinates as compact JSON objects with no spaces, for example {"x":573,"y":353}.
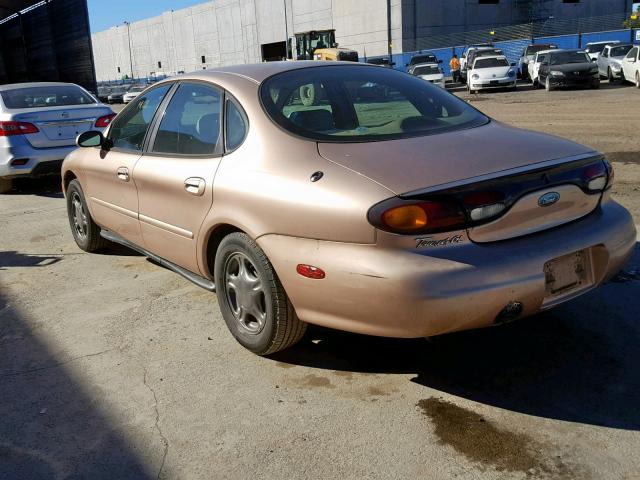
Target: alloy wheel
{"x":245,"y":293}
{"x":79,"y":216}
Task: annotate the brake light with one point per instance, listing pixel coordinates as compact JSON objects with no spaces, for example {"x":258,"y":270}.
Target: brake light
{"x":8,"y":129}
{"x":105,"y":121}
{"x":419,"y":217}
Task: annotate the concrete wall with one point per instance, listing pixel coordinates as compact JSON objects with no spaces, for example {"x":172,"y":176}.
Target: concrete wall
{"x":229,"y":32}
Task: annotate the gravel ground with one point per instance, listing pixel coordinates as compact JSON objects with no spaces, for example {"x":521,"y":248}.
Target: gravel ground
{"x":112,"y":367}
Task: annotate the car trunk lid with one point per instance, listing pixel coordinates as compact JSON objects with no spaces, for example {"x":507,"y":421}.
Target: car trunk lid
{"x":58,"y":126}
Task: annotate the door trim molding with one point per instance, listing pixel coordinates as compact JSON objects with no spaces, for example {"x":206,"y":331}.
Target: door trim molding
{"x":123,"y":211}
{"x":166,"y":226}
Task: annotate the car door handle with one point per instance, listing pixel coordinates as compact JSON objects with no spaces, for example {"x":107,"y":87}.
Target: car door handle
{"x":195,"y":186}
{"x":123,"y":174}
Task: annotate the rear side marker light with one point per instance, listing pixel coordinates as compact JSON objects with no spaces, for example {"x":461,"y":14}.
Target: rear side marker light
{"x":9,"y":129}
{"x":105,"y":121}
{"x":310,"y":271}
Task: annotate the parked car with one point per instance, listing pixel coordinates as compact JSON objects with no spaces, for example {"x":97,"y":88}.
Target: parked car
{"x":610,"y":61}
{"x":431,"y":72}
{"x":534,"y":66}
{"x":117,"y":94}
{"x":39,"y":123}
{"x":399,"y":216}
{"x":382,"y":61}
{"x":103,"y":93}
{"x":426,"y":57}
{"x":132,"y":93}
{"x":528,"y":55}
{"x":491,"y":72}
{"x":630,"y":71}
{"x":594,"y":49}
{"x":568,"y":68}
{"x":474,"y":53}
{"x":465,"y":53}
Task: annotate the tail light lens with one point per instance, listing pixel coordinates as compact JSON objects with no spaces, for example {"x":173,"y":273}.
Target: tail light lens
{"x":406,"y":217}
{"x":105,"y":121}
{"x":596,"y":176}
{"x":9,"y":129}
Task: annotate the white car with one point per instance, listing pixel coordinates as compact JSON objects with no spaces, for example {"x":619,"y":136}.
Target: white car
{"x":534,"y":65}
{"x":431,"y":72}
{"x":594,"y":49}
{"x":631,"y":66}
{"x":133,"y":93}
{"x":610,"y":60}
{"x":491,"y":72}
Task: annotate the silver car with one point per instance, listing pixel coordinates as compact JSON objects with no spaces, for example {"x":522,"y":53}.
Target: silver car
{"x":39,"y":123}
{"x":610,"y":61}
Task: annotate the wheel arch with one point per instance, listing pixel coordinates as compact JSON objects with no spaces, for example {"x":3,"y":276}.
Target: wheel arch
{"x":211,"y":241}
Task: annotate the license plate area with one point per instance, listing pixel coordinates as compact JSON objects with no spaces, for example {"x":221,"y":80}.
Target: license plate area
{"x":493,"y":83}
{"x":567,"y":275}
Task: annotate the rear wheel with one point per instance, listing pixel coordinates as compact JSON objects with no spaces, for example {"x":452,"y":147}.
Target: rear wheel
{"x":5,"y":185}
{"x":85,"y":232}
{"x":252,"y":300}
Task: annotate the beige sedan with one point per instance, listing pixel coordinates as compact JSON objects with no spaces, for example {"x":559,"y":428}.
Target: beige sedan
{"x":349,"y":196}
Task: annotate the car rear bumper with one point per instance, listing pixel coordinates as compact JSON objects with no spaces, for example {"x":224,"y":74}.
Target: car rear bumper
{"x":423,"y":292}
{"x":39,"y":161}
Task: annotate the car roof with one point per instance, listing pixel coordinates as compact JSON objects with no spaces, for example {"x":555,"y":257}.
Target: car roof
{"x":258,"y":72}
{"x":15,"y":86}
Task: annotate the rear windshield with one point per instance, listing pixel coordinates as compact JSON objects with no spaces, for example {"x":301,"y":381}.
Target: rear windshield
{"x":38,"y":97}
{"x":490,"y":63}
{"x":360,"y":103}
{"x":563,"y":58}
{"x":620,"y":51}
{"x":596,"y":47}
{"x":426,"y":70}
{"x":533,"y":49}
{"x":423,"y":59}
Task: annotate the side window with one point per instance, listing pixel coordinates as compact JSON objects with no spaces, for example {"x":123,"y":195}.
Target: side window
{"x":632,"y":53}
{"x":129,"y":129}
{"x":235,"y":126}
{"x":191,"y":122}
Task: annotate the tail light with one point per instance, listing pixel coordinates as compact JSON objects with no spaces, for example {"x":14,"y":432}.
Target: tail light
{"x":9,"y":129}
{"x":407,"y":217}
{"x":105,"y":121}
{"x":596,"y":176}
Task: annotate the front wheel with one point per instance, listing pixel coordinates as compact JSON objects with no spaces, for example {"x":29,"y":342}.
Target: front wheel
{"x":252,"y":300}
{"x":610,"y":76}
{"x":547,"y":85}
{"x":85,"y":232}
{"x":637,"y":79}
{"x":5,"y":185}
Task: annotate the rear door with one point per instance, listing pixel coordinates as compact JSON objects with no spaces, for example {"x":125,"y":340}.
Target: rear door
{"x":108,"y":172}
{"x":175,"y":176}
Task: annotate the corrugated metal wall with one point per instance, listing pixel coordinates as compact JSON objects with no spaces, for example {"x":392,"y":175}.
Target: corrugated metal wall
{"x":50,"y":43}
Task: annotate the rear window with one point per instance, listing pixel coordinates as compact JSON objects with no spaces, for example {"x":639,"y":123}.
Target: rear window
{"x":38,"y":97}
{"x":596,"y":47}
{"x":490,"y":63}
{"x":423,"y":59}
{"x":360,"y":103}
{"x":533,"y":49}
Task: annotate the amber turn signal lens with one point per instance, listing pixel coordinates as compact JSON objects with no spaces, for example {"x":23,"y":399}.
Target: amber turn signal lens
{"x":405,"y":218}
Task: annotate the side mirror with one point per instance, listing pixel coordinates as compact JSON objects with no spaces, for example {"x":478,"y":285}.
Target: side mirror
{"x":439,"y":61}
{"x":92,"y":138}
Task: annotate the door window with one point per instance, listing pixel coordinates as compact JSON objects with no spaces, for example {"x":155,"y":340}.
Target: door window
{"x":191,"y":122}
{"x":235,"y":126}
{"x":129,"y":129}
{"x":632,"y":53}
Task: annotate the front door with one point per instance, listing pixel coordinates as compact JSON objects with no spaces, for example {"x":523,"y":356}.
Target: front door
{"x":175,"y":177}
{"x":629,"y":64}
{"x":110,"y":189}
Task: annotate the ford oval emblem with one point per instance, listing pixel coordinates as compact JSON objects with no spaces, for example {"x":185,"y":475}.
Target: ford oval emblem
{"x":548,"y":199}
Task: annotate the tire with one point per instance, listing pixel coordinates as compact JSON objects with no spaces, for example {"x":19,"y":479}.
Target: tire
{"x":595,"y":85}
{"x":84,"y":230}
{"x":252,"y":300}
{"x":610,"y":76}
{"x":5,"y":185}
{"x":637,"y":79}
{"x":547,"y":85}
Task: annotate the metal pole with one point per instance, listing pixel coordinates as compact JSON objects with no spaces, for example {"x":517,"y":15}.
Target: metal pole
{"x":286,"y":29}
{"x":129,"y":37}
{"x":389,"y":44}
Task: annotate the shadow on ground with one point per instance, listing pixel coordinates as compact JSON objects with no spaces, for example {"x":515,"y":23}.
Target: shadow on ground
{"x":578,"y":363}
{"x":50,"y":427}
{"x":49,"y":186}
